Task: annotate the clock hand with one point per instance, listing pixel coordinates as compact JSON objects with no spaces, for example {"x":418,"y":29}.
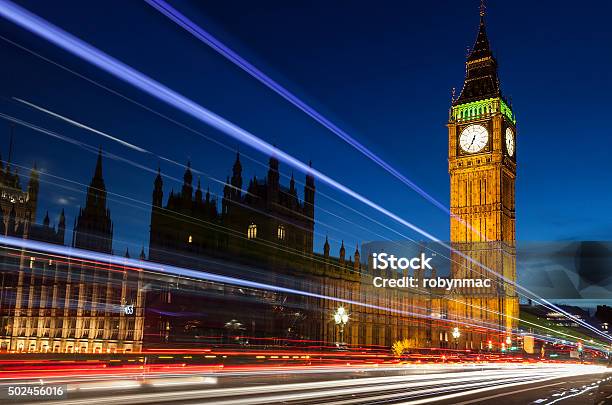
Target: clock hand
{"x":473,"y":139}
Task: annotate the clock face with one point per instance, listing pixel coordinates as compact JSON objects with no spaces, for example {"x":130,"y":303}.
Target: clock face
{"x":473,"y":138}
{"x":510,"y":141}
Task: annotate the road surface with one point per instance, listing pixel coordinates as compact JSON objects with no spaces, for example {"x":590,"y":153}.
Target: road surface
{"x":417,"y":384}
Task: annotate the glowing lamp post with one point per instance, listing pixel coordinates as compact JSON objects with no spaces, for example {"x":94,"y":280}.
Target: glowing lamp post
{"x":456,"y":334}
{"x":233,"y":326}
{"x":341,"y":317}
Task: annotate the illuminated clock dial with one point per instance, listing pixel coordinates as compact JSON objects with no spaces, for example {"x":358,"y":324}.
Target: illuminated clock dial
{"x":473,"y":138}
{"x":510,"y":141}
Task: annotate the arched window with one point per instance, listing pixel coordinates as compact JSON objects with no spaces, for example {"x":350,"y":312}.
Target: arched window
{"x":281,"y":232}
{"x":190,"y":239}
{"x":252,"y":231}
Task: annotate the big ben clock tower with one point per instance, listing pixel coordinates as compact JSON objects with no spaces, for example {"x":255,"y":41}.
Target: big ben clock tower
{"x":482,"y":140}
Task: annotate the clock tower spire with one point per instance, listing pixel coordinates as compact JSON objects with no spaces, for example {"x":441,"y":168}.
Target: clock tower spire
{"x":482,"y":168}
{"x":481,"y":80}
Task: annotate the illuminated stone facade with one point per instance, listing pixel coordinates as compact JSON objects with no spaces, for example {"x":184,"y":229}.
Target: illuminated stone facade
{"x":482,"y":179}
{"x":54,"y":304}
{"x":70,"y":306}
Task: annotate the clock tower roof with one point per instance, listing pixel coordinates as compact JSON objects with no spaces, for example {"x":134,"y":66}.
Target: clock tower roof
{"x":481,"y":80}
{"x":481,"y":48}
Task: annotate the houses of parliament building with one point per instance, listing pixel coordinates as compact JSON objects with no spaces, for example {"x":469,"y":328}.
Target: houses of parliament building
{"x":263,"y":231}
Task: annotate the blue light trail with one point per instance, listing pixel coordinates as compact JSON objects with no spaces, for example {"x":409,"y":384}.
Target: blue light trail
{"x":124,"y":72}
{"x":232,"y":56}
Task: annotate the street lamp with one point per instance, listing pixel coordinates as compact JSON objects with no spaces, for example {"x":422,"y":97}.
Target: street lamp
{"x":233,"y":326}
{"x":341,"y":317}
{"x":456,"y":334}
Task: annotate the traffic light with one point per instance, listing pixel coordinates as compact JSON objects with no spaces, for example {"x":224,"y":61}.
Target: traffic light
{"x":580,"y":346}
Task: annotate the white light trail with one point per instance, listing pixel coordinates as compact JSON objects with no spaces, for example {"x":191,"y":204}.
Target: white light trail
{"x":42,"y":247}
{"x":82,"y":126}
{"x":437,"y":386}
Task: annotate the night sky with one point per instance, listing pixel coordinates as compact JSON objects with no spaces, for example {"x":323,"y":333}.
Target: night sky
{"x":383,"y":71}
